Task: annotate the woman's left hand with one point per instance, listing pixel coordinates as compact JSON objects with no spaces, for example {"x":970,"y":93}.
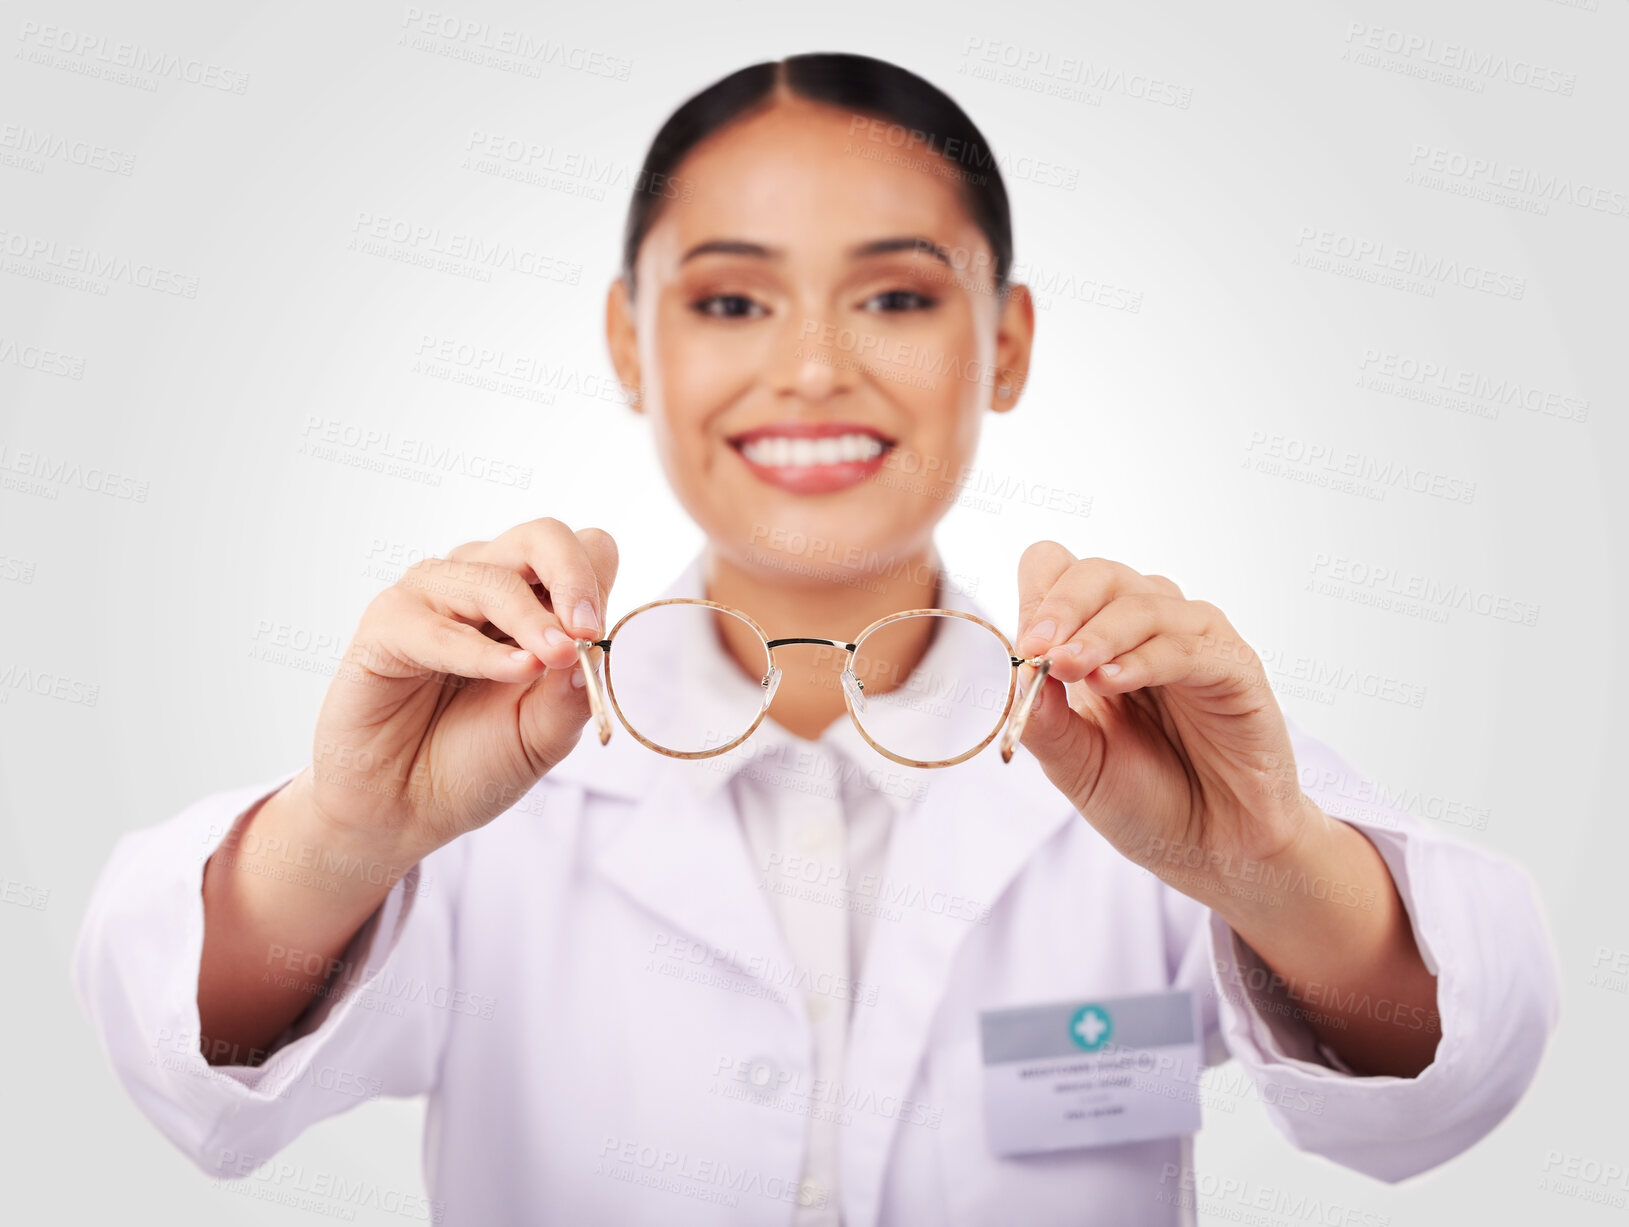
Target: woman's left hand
{"x":1157,"y":721}
{"x":1158,"y":724}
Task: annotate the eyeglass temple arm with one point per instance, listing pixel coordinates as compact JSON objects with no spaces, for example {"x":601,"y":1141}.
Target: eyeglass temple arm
{"x":1020,"y":717}
{"x":591,"y":682}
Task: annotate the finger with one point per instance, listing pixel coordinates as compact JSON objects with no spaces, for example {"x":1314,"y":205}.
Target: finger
{"x":1077,"y":596}
{"x":1117,"y":628}
{"x":577,"y":569}
{"x":479,"y":592}
{"x":552,"y":716}
{"x":1188,"y":644}
{"x":410,"y":639}
{"x":1165,"y":660}
{"x":1039,"y":567}
{"x":602,"y":552}
{"x":1222,"y":661}
{"x":1068,"y":744}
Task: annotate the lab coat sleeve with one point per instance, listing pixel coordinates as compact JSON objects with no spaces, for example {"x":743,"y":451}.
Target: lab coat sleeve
{"x":135,"y":969}
{"x":1478,"y":924}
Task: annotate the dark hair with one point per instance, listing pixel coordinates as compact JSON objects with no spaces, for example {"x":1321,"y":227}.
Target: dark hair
{"x":921,"y":116}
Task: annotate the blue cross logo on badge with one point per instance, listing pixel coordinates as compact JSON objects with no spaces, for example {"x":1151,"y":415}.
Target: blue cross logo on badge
{"x":1090,"y":1027}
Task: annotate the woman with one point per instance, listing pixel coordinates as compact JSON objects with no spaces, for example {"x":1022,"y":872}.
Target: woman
{"x":799,"y":981}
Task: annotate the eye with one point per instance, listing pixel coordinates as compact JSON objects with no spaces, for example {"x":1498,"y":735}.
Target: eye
{"x":891,"y":301}
{"x":727,"y":307}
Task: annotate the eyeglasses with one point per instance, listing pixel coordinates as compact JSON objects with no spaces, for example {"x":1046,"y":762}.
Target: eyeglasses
{"x":925,"y":687}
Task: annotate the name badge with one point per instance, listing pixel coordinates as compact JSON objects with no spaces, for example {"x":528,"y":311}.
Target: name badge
{"x":1090,"y":1073}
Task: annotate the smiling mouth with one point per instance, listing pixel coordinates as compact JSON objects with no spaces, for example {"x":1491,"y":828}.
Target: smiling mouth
{"x":813,"y":458}
{"x":802,"y":447}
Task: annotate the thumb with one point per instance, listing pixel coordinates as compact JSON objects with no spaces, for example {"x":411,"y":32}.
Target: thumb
{"x":552,"y":715}
{"x":1066,"y":744}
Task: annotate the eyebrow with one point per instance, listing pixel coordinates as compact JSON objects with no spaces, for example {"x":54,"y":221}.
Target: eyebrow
{"x":876,"y":247}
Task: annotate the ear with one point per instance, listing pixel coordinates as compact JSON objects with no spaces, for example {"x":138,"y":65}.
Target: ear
{"x":621,"y":338}
{"x":1015,"y":335}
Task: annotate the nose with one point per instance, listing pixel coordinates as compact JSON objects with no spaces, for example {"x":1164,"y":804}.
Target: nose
{"x":809,"y":362}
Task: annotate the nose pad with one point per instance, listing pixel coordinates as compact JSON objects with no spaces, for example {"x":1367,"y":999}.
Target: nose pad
{"x":771,"y":683}
{"x":855,"y":689}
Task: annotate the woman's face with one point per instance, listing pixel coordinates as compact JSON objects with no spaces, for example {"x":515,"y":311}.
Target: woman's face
{"x":815,"y":339}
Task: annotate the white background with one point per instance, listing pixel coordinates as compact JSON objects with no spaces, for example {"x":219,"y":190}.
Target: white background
{"x":165,"y":607}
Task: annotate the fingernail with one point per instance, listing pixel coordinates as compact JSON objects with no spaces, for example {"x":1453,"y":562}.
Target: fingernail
{"x":520,"y":654}
{"x":578,"y":681}
{"x":1065,"y":649}
{"x":1039,"y":696}
{"x":1109,"y":670}
{"x":554,"y":636}
{"x":585,"y":617}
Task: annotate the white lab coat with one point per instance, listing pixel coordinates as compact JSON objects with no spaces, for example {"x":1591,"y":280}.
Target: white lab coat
{"x":577,"y":985}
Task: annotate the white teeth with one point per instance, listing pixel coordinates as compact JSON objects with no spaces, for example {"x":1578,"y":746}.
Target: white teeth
{"x":779,"y":451}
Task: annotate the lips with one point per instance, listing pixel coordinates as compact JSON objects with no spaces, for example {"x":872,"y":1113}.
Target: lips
{"x":812,"y":457}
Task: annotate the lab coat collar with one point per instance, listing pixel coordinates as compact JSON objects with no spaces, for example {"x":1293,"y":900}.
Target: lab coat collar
{"x":963,"y":835}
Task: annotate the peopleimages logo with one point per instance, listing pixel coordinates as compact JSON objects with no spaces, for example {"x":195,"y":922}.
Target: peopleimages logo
{"x":1045,"y":70}
{"x":1492,"y":391}
{"x":50,"y":473}
{"x":96,"y":266}
{"x":1454,"y":57}
{"x":97,"y":55}
{"x":1385,"y":586}
{"x":377,"y":234}
{"x":479,"y":42}
{"x":37,"y":146}
{"x":45,"y":361}
{"x":1525,"y":180}
{"x":1375,"y":258}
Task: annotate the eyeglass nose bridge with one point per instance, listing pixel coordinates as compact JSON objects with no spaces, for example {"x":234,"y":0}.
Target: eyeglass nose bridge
{"x":852,"y":686}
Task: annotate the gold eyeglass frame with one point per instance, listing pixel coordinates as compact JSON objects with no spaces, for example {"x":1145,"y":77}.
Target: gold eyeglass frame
{"x":771,"y":680}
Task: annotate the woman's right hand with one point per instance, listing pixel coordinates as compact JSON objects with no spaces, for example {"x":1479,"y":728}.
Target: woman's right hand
{"x":456,"y":693}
